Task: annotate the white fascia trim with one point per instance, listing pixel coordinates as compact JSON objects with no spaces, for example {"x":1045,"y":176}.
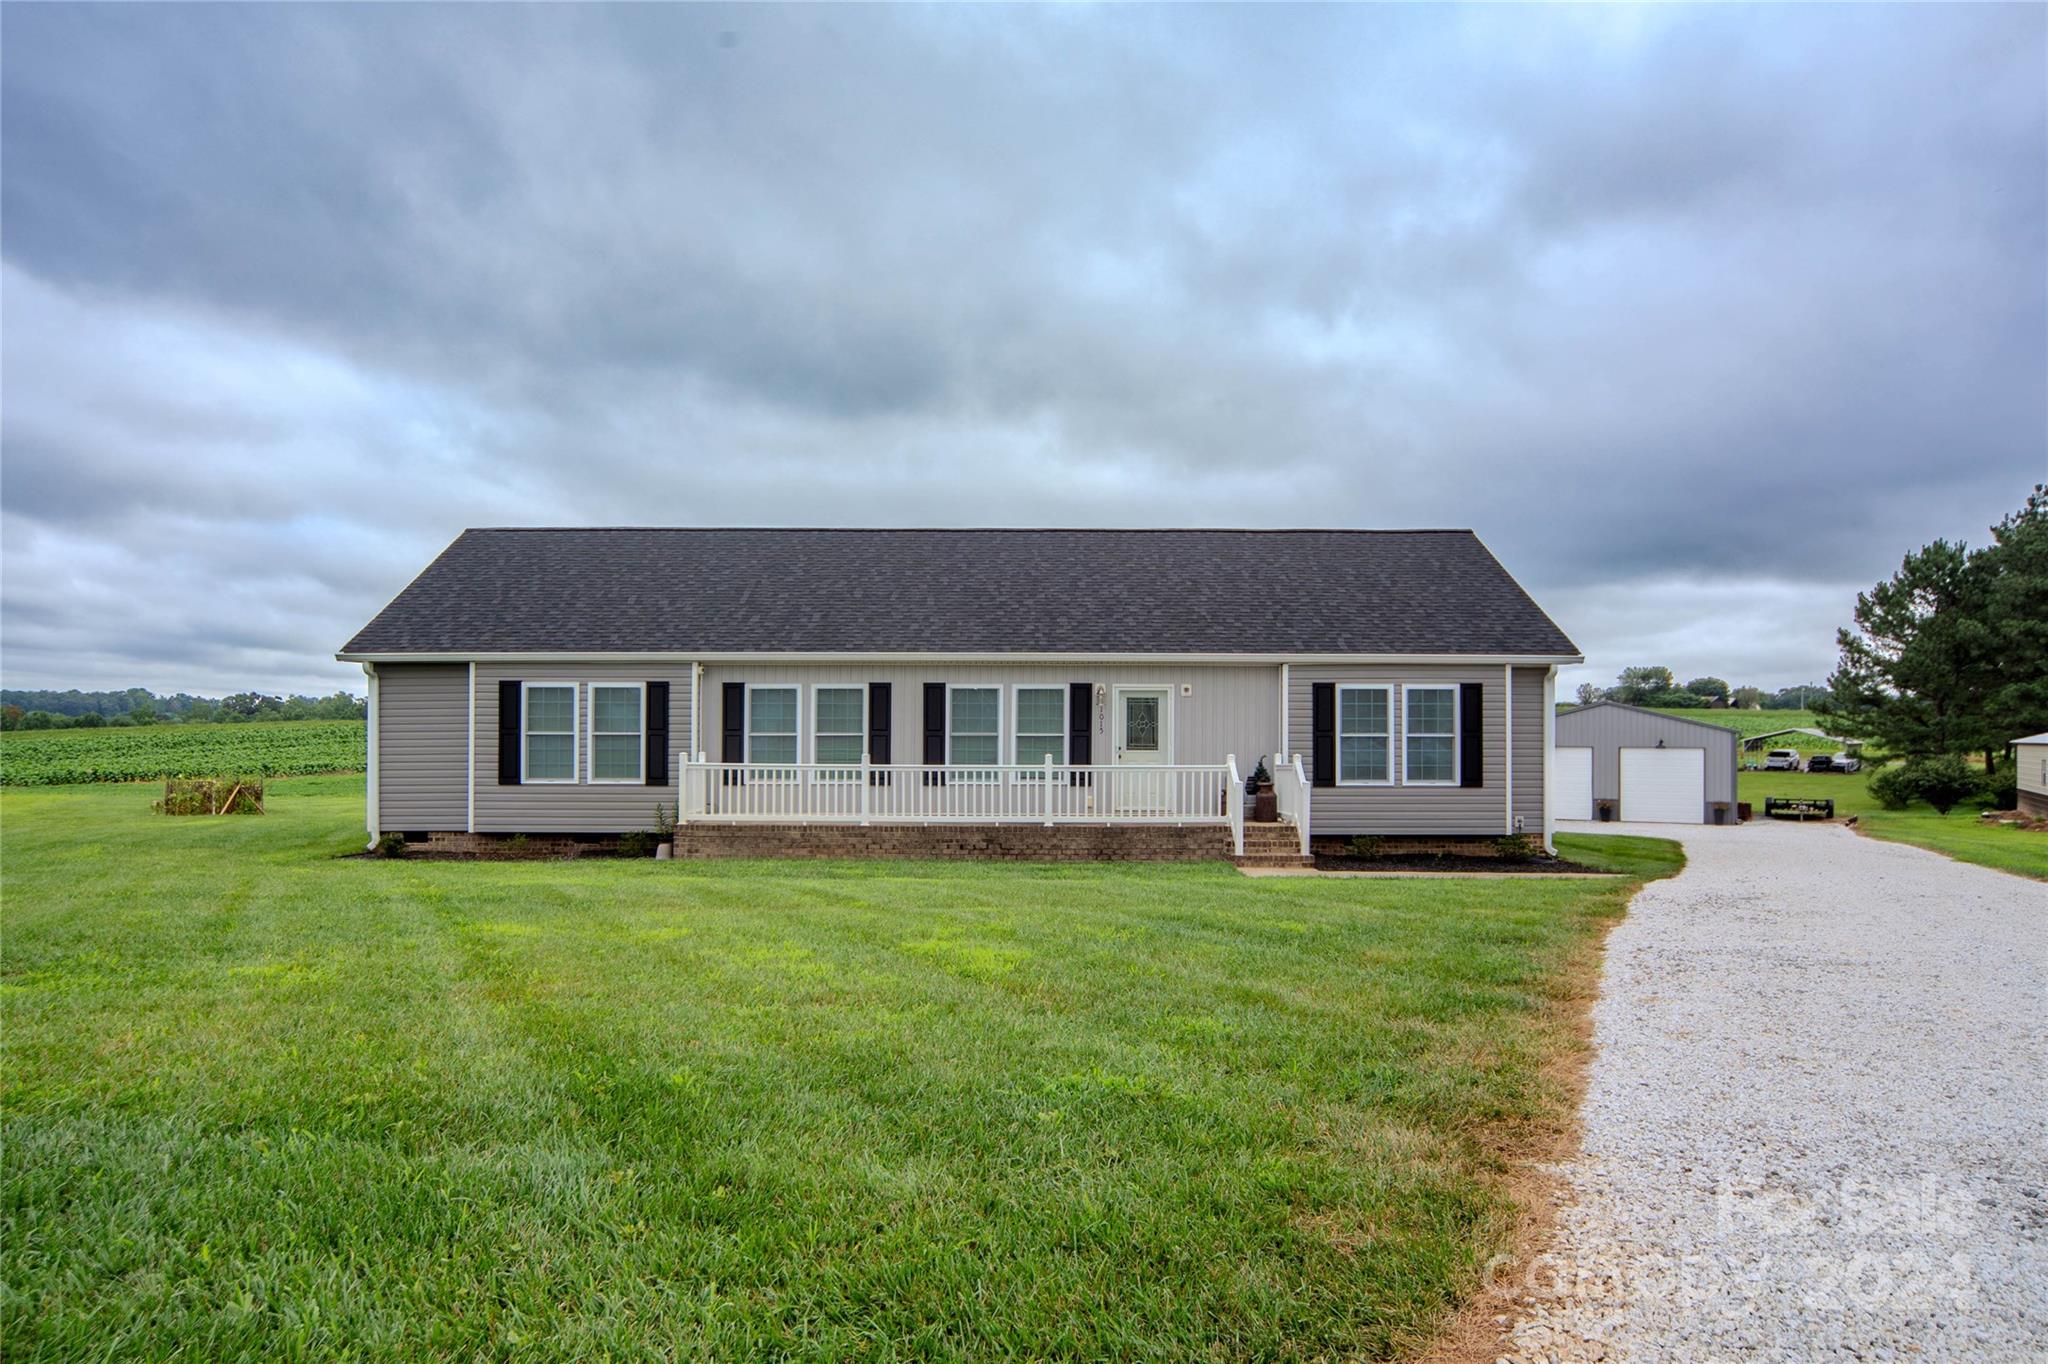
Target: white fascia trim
{"x":961,"y":656}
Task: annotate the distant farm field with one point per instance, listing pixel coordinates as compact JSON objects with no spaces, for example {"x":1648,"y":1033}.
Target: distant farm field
{"x":295,"y":748}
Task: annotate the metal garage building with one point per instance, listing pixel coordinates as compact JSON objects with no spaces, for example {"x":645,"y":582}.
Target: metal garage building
{"x":1642,"y":765}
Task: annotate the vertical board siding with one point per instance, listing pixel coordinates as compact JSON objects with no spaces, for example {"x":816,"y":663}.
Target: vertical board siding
{"x":1232,"y":708}
{"x":581,"y":807}
{"x":422,"y":745}
{"x":1609,"y":729}
{"x":1401,"y":809}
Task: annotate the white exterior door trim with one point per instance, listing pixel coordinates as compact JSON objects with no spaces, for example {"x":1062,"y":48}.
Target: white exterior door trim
{"x":1164,"y":753}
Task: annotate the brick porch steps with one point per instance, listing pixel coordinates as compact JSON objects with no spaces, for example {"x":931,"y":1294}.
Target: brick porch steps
{"x":1272,"y":845}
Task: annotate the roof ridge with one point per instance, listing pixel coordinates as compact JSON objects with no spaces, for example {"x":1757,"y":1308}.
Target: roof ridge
{"x":991,"y":530}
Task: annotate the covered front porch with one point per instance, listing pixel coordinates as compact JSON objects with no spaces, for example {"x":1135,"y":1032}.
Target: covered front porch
{"x":1047,"y":795}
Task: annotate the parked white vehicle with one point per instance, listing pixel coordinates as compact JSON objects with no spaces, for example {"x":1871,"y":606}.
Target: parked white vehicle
{"x":1781,"y":760}
{"x":1835,"y":762}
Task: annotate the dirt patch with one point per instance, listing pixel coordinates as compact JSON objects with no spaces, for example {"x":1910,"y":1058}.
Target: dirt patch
{"x":1479,"y":1333}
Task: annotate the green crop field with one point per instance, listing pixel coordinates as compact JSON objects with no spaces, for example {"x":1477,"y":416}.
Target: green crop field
{"x":62,"y":756}
{"x":262,"y":1100}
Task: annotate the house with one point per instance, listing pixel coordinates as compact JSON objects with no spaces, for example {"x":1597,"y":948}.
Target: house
{"x":1642,"y":765}
{"x":2030,"y":756}
{"x":1055,"y":693}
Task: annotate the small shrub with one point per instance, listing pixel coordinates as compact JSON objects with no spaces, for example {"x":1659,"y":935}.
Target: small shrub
{"x":391,"y":845}
{"x":1258,"y":780}
{"x":636,"y":843}
{"x":1944,"y":782}
{"x":2005,"y":795}
{"x":1515,"y":848}
{"x":1366,"y":845}
{"x":1894,"y":788}
{"x":518,"y":845}
{"x":664,"y":821}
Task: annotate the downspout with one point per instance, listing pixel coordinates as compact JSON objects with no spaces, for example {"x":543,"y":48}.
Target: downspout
{"x":1284,"y":682}
{"x":370,"y":764}
{"x":696,"y":687}
{"x":1549,"y":754}
{"x":1507,"y":672}
{"x":469,"y":816}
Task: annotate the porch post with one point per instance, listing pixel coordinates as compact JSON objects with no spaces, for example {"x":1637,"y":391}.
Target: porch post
{"x":866,"y":782}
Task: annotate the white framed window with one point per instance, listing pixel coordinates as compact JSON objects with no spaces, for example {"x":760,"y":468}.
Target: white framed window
{"x":1365,"y":736}
{"x":548,"y":732}
{"x":774,"y":722}
{"x":1039,"y":728}
{"x":618,"y":731}
{"x":974,"y":729}
{"x":1429,"y":733}
{"x":839,"y":729}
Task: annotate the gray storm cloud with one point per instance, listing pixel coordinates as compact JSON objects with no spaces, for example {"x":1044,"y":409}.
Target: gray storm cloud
{"x":1700,"y":317}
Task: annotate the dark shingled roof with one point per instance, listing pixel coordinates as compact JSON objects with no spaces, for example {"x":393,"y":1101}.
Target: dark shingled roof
{"x":965,"y":591}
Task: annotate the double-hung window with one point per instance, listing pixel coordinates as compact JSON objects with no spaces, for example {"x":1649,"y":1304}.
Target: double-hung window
{"x":838,"y":729}
{"x":1430,"y":733}
{"x":550,"y":732}
{"x":1365,"y":742}
{"x":772,"y":714}
{"x":974,"y":733}
{"x":1041,"y":728}
{"x":618,"y":735}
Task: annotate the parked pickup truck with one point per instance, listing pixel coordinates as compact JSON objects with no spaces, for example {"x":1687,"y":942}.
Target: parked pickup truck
{"x":1781,"y":760}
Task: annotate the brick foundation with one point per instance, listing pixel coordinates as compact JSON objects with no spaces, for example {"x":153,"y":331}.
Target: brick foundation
{"x":1415,"y":845}
{"x":964,"y":842}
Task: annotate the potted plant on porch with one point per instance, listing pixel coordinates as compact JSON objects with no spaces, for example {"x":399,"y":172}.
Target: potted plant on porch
{"x":1258,"y":789}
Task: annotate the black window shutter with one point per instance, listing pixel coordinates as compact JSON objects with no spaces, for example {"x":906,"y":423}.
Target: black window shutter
{"x":508,"y":733}
{"x":657,"y":733}
{"x":1471,"y":734}
{"x":934,"y":731}
{"x":879,"y":703}
{"x":732,"y":734}
{"x":1080,"y":729}
{"x":1323,"y":733}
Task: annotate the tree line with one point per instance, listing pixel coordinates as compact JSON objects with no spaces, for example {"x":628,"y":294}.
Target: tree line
{"x":1656,"y":686}
{"x":74,"y":709}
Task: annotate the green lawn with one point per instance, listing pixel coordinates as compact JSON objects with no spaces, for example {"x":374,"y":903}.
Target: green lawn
{"x":265,"y":1102}
{"x":1959,"y":833}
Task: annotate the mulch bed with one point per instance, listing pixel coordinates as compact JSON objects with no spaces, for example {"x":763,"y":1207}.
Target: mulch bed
{"x":1447,"y":862}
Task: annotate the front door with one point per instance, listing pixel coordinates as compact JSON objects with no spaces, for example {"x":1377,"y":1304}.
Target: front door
{"x":1144,"y":739}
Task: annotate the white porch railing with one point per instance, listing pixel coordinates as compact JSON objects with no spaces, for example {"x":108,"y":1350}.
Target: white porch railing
{"x":998,"y":793}
{"x":1290,"y":793}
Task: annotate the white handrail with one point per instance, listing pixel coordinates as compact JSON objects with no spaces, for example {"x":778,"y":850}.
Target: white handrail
{"x":1234,"y":802}
{"x":867,"y":792}
{"x":1291,"y":794}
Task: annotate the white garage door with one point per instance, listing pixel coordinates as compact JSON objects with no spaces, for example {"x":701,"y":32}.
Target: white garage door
{"x":1571,"y":783}
{"x":1664,"y":785}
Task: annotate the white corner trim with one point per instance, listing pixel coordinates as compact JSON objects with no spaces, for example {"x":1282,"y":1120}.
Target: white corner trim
{"x":370,"y":813}
{"x":1549,"y":753}
{"x":469,"y":813}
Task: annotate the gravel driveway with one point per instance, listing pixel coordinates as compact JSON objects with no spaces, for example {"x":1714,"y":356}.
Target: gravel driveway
{"x":1817,"y":1119}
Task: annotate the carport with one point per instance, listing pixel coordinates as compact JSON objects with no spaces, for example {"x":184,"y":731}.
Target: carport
{"x":1613,"y":761}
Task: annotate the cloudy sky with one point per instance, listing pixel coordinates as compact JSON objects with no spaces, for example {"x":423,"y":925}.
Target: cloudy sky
{"x":1699,"y":316}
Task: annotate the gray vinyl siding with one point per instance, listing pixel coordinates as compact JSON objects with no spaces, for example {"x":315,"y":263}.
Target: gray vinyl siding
{"x":1607,"y":729}
{"x":1532,"y":779}
{"x":579,"y":807}
{"x":2032,"y":767}
{"x":1231,"y":709}
{"x":422,"y":745}
{"x":1425,"y":810}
